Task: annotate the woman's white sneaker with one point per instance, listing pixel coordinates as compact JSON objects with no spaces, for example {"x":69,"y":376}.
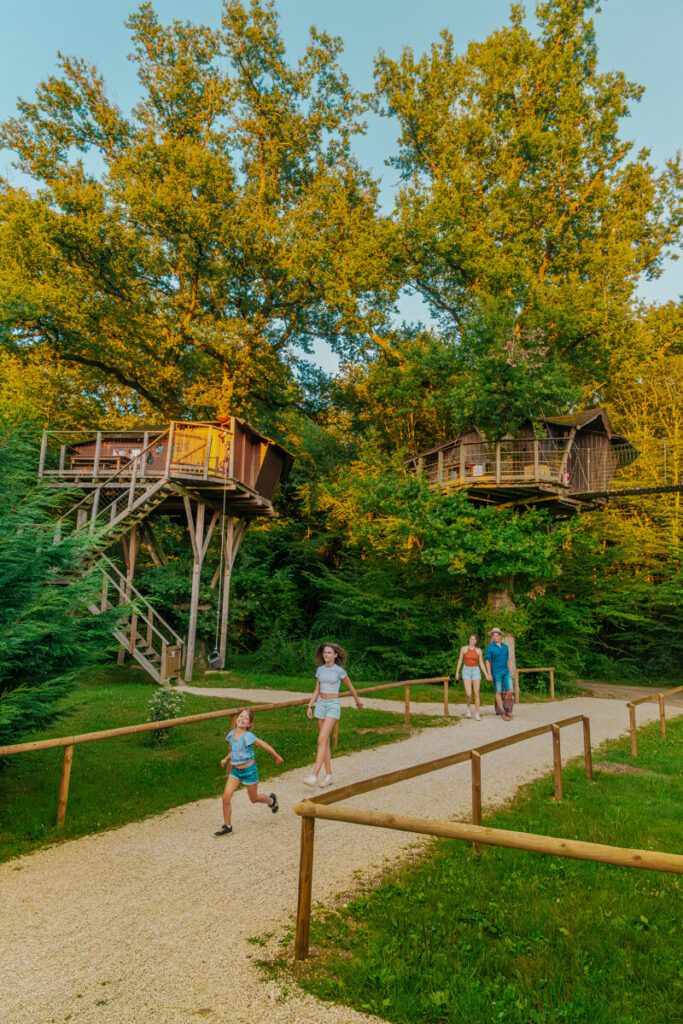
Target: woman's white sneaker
{"x":326,"y":780}
{"x":468,"y":713}
{"x":478,"y":717}
{"x":312,"y":780}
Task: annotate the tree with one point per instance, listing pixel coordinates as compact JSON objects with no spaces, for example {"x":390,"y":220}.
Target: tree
{"x":523,"y":221}
{"x":186,"y":250}
{"x":46,"y":634}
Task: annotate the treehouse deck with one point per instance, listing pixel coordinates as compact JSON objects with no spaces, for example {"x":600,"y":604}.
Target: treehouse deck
{"x":563,"y":463}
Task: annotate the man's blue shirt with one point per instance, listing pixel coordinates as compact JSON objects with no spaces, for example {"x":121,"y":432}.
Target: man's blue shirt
{"x":498,"y":655}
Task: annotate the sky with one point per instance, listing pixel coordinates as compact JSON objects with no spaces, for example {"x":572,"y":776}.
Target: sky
{"x":639,"y":38}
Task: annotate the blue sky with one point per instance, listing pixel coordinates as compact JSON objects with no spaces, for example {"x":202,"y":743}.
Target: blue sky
{"x":641,"y":39}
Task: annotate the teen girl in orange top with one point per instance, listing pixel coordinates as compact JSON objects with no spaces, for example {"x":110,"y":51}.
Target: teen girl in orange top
{"x":472,"y":662}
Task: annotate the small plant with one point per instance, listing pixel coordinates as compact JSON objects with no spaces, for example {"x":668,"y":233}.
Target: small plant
{"x":165,"y":704}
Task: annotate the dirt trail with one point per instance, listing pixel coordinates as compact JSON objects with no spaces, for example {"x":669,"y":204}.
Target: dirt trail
{"x":151,"y":922}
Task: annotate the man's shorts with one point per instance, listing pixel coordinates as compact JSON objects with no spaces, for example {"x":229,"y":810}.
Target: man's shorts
{"x":471,"y":673}
{"x":502,"y":682}
{"x":327,"y":708}
{"x":247,"y":776}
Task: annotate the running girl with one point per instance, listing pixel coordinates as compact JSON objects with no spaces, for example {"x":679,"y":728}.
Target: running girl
{"x":243,"y":768}
{"x":329,"y":675}
{"x":473,"y":666}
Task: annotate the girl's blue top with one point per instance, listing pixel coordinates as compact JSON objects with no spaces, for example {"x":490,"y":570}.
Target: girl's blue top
{"x":330,"y":678}
{"x":241,"y":747}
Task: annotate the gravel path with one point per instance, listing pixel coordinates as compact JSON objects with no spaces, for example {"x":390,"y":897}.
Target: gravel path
{"x":151,"y":922}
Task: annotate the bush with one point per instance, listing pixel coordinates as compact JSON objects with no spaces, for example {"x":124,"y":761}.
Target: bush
{"x":166,"y":703}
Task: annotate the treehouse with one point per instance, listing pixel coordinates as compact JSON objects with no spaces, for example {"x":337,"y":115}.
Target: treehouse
{"x":560,"y":462}
{"x":215,"y":477}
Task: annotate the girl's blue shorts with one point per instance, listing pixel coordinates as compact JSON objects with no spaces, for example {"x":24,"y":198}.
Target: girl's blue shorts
{"x":247,"y":776}
{"x":327,"y":708}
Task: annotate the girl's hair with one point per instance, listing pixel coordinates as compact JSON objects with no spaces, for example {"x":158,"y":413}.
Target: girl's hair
{"x":248,"y":711}
{"x":339,"y":654}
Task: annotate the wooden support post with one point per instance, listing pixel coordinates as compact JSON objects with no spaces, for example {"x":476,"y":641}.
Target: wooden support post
{"x":439,"y":468}
{"x":497,"y":463}
{"x":62,"y":458}
{"x":207,"y":456}
{"x":231,"y":539}
{"x":169,"y":450}
{"x":557,"y":762}
{"x":163,"y":662}
{"x":131,"y":546}
{"x":335,"y":735}
{"x":632,"y":728}
{"x":552,"y":684}
{"x":132,"y":639}
{"x":662,"y":716}
{"x":446,"y":710}
{"x":133,"y":481}
{"x":587,"y":752}
{"x":462,"y":463}
{"x":420,"y":466}
{"x":406,"y":717}
{"x":95,"y":507}
{"x":104,"y":593}
{"x":475,"y":761}
{"x":537,"y":471}
{"x":196,"y":531}
{"x":303,"y":910}
{"x":516,"y":686}
{"x":43,"y":453}
{"x":143,"y":462}
{"x":98,"y":452}
{"x":63,"y":798}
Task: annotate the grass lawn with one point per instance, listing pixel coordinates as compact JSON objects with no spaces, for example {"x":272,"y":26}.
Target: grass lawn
{"x":124,"y":779}
{"x":522,"y":938}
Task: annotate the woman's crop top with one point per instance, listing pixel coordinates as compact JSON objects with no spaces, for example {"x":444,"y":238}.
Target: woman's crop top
{"x":330,"y":678}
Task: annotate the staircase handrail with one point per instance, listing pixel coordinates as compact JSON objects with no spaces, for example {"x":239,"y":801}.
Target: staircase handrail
{"x":131,"y":593}
{"x":107,"y":480}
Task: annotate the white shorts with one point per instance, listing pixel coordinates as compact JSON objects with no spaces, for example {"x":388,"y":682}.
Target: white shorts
{"x":327,"y":708}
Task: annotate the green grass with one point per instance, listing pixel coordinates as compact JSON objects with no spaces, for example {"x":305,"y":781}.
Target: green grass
{"x":124,"y":779}
{"x":521,"y":938}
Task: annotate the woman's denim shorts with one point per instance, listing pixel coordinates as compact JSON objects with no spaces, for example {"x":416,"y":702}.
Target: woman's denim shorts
{"x":247,"y":776}
{"x":472,"y":673}
{"x":327,"y":708}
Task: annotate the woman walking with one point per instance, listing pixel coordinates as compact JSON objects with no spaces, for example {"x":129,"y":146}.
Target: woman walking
{"x":329,"y":676}
{"x":472,"y":661}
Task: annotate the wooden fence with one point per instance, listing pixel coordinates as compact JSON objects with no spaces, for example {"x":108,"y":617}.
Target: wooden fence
{"x":69,"y":742}
{"x":519,"y":671}
{"x":631,"y":705}
{"x":312,"y":808}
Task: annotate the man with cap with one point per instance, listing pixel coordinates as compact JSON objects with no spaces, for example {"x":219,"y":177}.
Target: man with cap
{"x":496,"y":658}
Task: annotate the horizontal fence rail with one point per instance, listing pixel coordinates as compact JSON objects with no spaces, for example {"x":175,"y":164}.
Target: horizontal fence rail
{"x":474,"y":755}
{"x":520,"y":671}
{"x":69,"y":742}
{"x":661,"y":698}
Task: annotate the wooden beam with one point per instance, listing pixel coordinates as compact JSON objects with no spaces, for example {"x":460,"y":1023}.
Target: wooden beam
{"x":196,"y":531}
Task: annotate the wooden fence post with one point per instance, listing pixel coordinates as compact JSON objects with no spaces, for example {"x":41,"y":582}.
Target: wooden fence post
{"x":587,"y":752}
{"x":552,"y":684}
{"x":445,"y":697}
{"x":516,"y":686}
{"x":475,"y":761}
{"x":303,"y":909}
{"x":662,"y":716}
{"x":406,"y":718}
{"x":632,"y":727}
{"x":64,"y":784}
{"x":557,"y":762}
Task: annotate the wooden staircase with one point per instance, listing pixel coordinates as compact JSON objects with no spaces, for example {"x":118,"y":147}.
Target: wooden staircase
{"x":106,"y":514}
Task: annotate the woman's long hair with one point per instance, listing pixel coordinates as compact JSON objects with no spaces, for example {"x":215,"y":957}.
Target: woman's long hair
{"x":339,"y":654}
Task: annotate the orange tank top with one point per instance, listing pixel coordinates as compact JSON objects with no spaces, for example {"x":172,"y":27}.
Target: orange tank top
{"x":471,"y":657}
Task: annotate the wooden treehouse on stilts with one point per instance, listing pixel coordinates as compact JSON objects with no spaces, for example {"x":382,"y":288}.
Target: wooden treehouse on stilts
{"x":211,"y":476}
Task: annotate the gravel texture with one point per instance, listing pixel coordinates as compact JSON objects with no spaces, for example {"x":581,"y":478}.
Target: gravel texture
{"x":151,"y":922}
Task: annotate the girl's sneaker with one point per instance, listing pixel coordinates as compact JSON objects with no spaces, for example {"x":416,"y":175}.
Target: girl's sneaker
{"x":224,"y":830}
{"x":468,"y":713}
{"x":312,"y":780}
{"x":477,"y":717}
{"x":326,"y":780}
{"x":274,"y":805}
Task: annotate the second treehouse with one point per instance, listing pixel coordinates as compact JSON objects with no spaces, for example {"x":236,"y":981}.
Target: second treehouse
{"x":212,"y":475}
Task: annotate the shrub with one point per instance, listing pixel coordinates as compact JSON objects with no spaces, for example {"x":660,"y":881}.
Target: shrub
{"x":166,"y":703}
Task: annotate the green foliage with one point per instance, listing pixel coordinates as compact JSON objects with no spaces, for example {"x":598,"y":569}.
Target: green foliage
{"x":166,"y":703}
{"x":45,"y":630}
